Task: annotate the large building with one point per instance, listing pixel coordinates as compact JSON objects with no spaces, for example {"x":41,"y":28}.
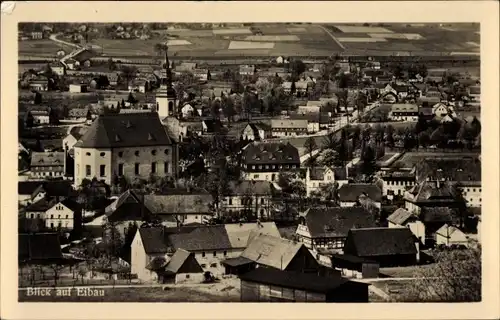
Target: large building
{"x":264,"y":161}
{"x":166,"y":98}
{"x":131,"y":145}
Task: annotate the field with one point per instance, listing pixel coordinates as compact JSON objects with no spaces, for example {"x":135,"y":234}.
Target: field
{"x":420,"y":39}
{"x":276,"y":39}
{"x":45,"y":46}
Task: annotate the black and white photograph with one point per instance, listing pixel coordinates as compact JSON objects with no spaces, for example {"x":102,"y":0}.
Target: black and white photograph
{"x":249,"y":162}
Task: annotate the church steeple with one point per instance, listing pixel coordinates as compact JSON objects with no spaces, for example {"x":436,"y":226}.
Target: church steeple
{"x":168,"y":71}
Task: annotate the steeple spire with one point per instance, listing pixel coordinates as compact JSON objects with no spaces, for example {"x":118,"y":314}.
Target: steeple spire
{"x":168,"y":70}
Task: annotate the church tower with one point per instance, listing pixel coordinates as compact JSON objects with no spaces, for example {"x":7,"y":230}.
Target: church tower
{"x":166,"y":100}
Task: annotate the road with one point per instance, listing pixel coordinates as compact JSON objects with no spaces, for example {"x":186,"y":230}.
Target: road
{"x":332,"y":36}
{"x":53,"y":37}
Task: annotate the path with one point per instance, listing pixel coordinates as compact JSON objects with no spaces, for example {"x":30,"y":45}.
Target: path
{"x":332,"y":36}
{"x":53,"y":37}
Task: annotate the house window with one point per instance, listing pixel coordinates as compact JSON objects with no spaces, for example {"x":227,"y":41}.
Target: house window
{"x":153,"y":152}
{"x":166,"y":151}
{"x":32,"y":216}
{"x":215,"y":253}
{"x":103,"y":154}
{"x":120,"y":169}
{"x":256,"y":176}
{"x":87,"y":170}
{"x":153,"y":167}
{"x":213,"y":265}
{"x":187,"y":276}
{"x":52,"y":225}
{"x":203,"y":266}
{"x":230,"y":201}
{"x":120,"y":154}
{"x":52,"y":216}
{"x":88,"y":153}
{"x":102,"y":170}
{"x":225,"y":253}
{"x":203,"y":254}
{"x":261,"y":200}
{"x":165,"y":167}
{"x":136,"y":168}
{"x":136,"y":153}
{"x":66,"y":216}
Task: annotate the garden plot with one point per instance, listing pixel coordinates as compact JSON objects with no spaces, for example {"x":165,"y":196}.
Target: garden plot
{"x":359,"y":29}
{"x":399,"y":36}
{"x":243,"y":52}
{"x":297,"y":30}
{"x":178,"y":42}
{"x":349,"y":39}
{"x":239,"y":45}
{"x":274,"y":38}
{"x":232,"y":31}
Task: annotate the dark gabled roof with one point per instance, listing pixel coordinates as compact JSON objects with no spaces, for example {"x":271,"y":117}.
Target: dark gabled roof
{"x":28,"y":187}
{"x":337,"y":221}
{"x":153,"y":240}
{"x":213,"y":237}
{"x":213,"y":125}
{"x":271,"y":153}
{"x":71,"y":204}
{"x":128,"y":206}
{"x":178,"y":203}
{"x":41,"y":205}
{"x":372,"y":242}
{"x":350,"y":192}
{"x":125,"y":130}
{"x":436,"y":214}
{"x":78,"y":132}
{"x":400,"y":216}
{"x":57,"y":188}
{"x":295,"y":280}
{"x":39,"y":247}
{"x":247,"y":187}
{"x":238,"y":261}
{"x":183,"y":262}
{"x":431,"y":191}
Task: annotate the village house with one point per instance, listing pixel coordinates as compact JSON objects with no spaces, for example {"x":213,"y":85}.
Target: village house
{"x":288,"y":127}
{"x":188,"y":111}
{"x":37,"y":209}
{"x":271,"y":285}
{"x":344,"y":66}
{"x":474,"y":93}
{"x":65,"y":215}
{"x":404,"y":112}
{"x":184,"y":67}
{"x":130,"y":145}
{"x":256,"y":132}
{"x":75,"y":134}
{"x":32,"y":191}
{"x":264,"y":161}
{"x":36,"y":35}
{"x":39,"y":85}
{"x":249,"y":197}
{"x":396,"y":182}
{"x":451,"y":236}
{"x":400,"y":91}
{"x":311,"y":107}
{"x":321,"y":176}
{"x":387,"y":246}
{"x":301,"y":87}
{"x":211,"y":126}
{"x":57,"y":68}
{"x":138,"y":85}
{"x":279,"y":72}
{"x":171,"y":210}
{"x":211,"y":244}
{"x":269,"y":251}
{"x":202,"y":74}
{"x":349,"y":194}
{"x":327,"y":228}
{"x":47,"y":164}
{"x":402,"y":218}
{"x":81,"y":114}
{"x":441,"y":110}
{"x":352,"y":266}
{"x":181,"y":268}
{"x":315,"y":121}
{"x":72,"y":64}
{"x":78,"y":88}
{"x":40,"y":116}
{"x":247,"y":70}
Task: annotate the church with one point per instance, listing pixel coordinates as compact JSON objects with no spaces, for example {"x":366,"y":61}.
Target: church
{"x":166,"y":98}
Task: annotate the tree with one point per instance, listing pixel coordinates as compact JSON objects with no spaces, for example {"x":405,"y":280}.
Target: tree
{"x":329,"y":158}
{"x":455,"y":277}
{"x":111,"y":65}
{"x":237,"y":86}
{"x":421,"y":124}
{"x":368,"y":161}
{"x":29,"y":120}
{"x":131,"y":99}
{"x":342,"y":148}
{"x":129,"y":73}
{"x":424,"y":139}
{"x":112,"y":240}
{"x":38,"y":98}
{"x":329,"y":141}
{"x":297,"y":67}
{"x":329,"y":191}
{"x":438,"y":137}
{"x":310,"y":145}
